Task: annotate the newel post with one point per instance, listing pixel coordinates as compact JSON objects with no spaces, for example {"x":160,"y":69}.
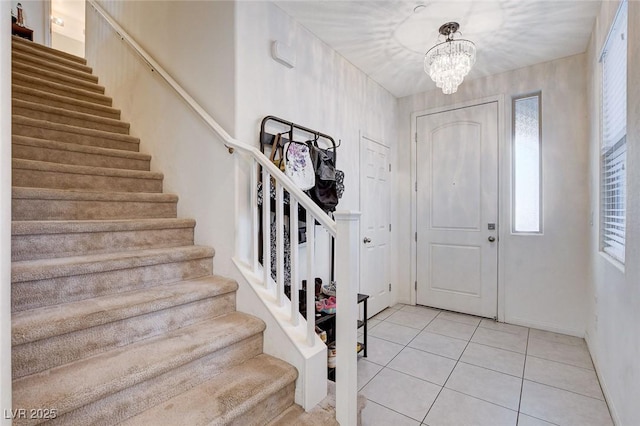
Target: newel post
{"x":347,"y":284}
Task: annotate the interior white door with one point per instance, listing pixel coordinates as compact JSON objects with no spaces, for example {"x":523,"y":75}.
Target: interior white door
{"x":374,"y":224}
{"x":457,"y":209}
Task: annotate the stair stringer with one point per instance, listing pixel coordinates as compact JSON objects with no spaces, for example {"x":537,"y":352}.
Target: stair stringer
{"x":283,"y":340}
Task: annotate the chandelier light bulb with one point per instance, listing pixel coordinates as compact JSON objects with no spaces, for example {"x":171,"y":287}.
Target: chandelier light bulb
{"x":447,"y":63}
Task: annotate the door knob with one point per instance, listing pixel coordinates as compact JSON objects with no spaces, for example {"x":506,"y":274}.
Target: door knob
{"x":491,"y":239}
{"x":366,"y":240}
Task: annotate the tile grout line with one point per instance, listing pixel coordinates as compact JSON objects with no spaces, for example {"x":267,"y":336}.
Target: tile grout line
{"x":451,"y":372}
{"x":391,"y":409}
{"x":565,"y":390}
{"x":394,"y":357}
{"x":563,"y":363}
{"x":524,"y":366}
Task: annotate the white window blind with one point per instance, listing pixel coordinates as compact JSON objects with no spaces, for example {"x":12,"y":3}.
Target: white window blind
{"x":614,"y":140}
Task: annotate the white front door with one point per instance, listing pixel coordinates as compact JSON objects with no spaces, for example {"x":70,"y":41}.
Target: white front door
{"x":374,"y":224}
{"x":457,"y":209}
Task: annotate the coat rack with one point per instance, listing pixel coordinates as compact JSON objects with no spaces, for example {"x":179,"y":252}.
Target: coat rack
{"x":266,"y":139}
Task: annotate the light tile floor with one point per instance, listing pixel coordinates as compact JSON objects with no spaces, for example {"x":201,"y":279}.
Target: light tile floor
{"x":436,"y":368}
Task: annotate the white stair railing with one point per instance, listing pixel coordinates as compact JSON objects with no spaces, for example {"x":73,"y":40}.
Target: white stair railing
{"x":344,"y":229}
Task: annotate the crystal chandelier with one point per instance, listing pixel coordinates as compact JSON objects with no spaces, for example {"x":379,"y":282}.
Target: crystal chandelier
{"x":448,"y":62}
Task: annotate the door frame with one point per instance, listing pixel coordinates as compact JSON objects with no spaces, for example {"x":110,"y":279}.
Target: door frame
{"x":362,"y":136}
{"x":504,"y":188}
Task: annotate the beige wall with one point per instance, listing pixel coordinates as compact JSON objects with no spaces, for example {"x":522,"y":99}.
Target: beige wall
{"x":613,"y":326}
{"x":194,"y":42}
{"x":67,"y":44}
{"x":543,"y":278}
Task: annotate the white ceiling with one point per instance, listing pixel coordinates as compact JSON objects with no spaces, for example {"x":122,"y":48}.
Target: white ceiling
{"x":387,"y":39}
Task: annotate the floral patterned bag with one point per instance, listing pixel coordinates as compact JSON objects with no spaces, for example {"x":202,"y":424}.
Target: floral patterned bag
{"x":298,"y":165}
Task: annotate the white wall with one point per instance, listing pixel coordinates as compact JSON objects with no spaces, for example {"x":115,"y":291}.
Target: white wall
{"x":67,"y":44}
{"x":613,"y":332}
{"x":5,"y":215}
{"x":544,"y":277}
{"x":323,"y":92}
{"x":194,"y":42}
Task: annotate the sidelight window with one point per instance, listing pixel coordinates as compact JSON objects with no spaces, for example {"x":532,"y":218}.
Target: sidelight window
{"x":527,"y":165}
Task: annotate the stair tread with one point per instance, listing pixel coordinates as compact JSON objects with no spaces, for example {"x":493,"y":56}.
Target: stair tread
{"x":19,"y":40}
{"x":223,"y":398}
{"x":295,"y":415}
{"x":90,"y":118}
{"x":57,"y":77}
{"x":21,"y":57}
{"x":45,"y":322}
{"x":34,"y":122}
{"x":83,"y":195}
{"x":29,"y":227}
{"x":91,"y":293}
{"x":17,"y":88}
{"x":50,"y":56}
{"x":41,"y":269}
{"x":88,"y":149}
{"x":19,"y":163}
{"x":20,"y":80}
{"x":87,"y":380}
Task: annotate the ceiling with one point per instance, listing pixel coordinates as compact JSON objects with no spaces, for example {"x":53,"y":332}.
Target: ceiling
{"x":388,"y":39}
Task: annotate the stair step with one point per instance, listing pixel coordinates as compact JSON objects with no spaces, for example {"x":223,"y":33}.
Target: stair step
{"x":18,"y":57}
{"x":56,"y":77}
{"x":324,"y":413}
{"x":295,"y":415}
{"x":42,"y":129}
{"x":248,"y":394}
{"x":41,"y":174}
{"x":60,"y":204}
{"x":46,"y":282}
{"x":50,"y":56}
{"x":15,"y":41}
{"x":82,"y":155}
{"x":49,"y":239}
{"x":27,"y":82}
{"x":55,"y":335}
{"x":41,"y":97}
{"x":64,"y":116}
{"x":114,"y":385}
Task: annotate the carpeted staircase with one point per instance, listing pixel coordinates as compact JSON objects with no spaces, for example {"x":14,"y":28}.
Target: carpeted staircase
{"x":117,"y":315}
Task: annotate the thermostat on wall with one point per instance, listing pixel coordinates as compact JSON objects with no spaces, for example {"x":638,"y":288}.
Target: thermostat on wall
{"x":284,"y":54}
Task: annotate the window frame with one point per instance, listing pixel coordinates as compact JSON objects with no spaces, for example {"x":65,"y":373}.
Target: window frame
{"x":608,"y":149}
{"x":514,"y":99}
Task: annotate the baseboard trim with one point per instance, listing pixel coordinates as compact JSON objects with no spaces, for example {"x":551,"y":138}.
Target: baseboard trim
{"x":546,"y":326}
{"x":603,"y":384}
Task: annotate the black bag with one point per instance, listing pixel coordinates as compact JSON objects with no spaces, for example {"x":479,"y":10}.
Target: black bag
{"x":325,"y":191}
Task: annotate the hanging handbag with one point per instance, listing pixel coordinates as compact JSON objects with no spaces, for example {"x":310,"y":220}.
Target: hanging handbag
{"x":325,"y":191}
{"x":276,"y":153}
{"x":298,"y":165}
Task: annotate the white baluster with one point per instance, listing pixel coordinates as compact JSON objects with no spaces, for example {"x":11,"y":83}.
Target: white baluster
{"x":279,"y":245}
{"x":347,"y":284}
{"x":295,"y":285}
{"x":311,"y":286}
{"x":266,"y":226}
{"x":254,"y":216}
